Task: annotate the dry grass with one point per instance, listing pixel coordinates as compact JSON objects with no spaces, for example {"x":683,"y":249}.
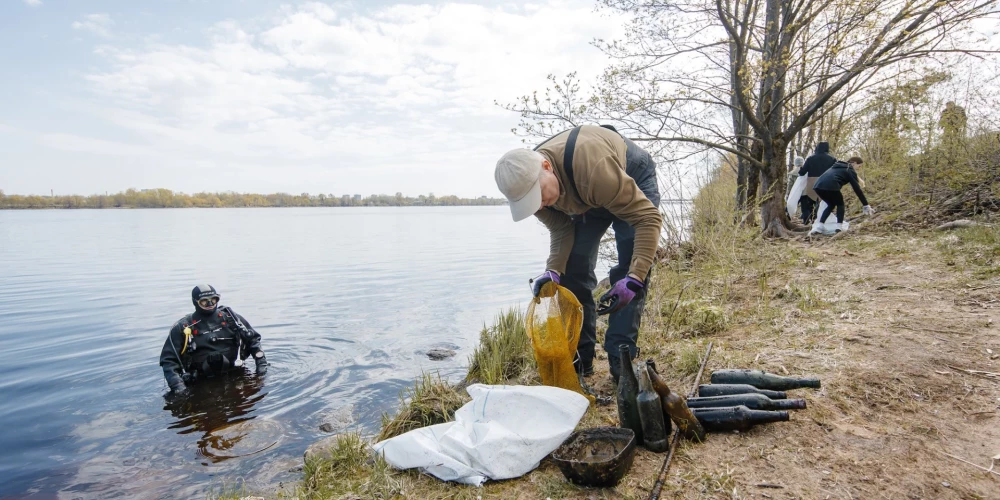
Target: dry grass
{"x":430,"y":401}
{"x":351,"y":471}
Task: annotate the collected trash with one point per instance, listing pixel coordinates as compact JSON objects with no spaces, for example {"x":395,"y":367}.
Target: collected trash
{"x":741,"y":399}
{"x":796,"y":192}
{"x":727,"y":389}
{"x":675,"y":406}
{"x":763,"y":380}
{"x":504,"y":432}
{"x":752,"y":401}
{"x":628,"y":391}
{"x":830,"y":226}
{"x":736,"y":418}
{"x":598,"y":457}
{"x":554,"y":321}
{"x":655,"y":428}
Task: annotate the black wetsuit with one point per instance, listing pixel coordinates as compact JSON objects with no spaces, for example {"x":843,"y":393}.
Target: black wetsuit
{"x":216,"y":341}
{"x":814,"y":167}
{"x":828,"y":188}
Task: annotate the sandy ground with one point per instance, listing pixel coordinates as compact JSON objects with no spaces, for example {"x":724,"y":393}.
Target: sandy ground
{"x":891,"y":331}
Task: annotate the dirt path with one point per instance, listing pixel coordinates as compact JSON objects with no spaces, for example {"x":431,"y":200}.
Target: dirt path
{"x":889,"y":327}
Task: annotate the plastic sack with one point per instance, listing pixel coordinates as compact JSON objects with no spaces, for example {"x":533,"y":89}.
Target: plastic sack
{"x":504,"y":432}
{"x":830,"y":226}
{"x":553,"y":323}
{"x":792,"y":202}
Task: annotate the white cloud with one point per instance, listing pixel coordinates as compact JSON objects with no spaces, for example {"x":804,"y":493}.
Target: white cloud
{"x":98,"y":24}
{"x":33,"y":3}
{"x":395,"y":99}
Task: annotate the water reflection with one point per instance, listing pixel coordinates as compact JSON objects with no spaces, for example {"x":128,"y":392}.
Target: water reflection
{"x":221,"y":408}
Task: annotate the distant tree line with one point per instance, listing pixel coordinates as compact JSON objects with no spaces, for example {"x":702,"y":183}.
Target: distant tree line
{"x":165,"y":198}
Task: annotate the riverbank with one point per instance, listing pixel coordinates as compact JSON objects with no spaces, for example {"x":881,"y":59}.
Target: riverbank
{"x":898,"y":325}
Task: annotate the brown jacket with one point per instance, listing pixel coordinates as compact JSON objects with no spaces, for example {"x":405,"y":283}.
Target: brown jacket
{"x":601,"y":182}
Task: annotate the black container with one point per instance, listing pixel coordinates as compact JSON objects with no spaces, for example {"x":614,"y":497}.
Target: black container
{"x":599,"y":457}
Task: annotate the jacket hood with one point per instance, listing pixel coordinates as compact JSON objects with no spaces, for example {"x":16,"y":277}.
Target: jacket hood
{"x":822,"y":148}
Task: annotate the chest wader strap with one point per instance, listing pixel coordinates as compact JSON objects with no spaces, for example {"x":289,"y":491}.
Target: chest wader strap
{"x":568,"y":162}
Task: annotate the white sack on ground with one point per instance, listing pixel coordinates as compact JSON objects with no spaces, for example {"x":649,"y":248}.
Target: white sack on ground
{"x":792,"y":202}
{"x":831,"y":226}
{"x":504,"y":432}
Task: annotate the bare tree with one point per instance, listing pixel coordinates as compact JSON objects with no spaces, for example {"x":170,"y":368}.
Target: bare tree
{"x":748,"y":79}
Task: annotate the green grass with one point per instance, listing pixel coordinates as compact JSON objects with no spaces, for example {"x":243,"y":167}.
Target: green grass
{"x":504,"y":352}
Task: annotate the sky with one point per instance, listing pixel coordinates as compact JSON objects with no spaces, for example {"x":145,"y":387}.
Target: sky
{"x":263,"y":96}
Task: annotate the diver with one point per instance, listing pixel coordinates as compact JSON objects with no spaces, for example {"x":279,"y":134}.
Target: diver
{"x":210,"y":342}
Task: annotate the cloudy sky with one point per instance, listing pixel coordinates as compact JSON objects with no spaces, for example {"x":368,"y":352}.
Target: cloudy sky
{"x":265,"y":96}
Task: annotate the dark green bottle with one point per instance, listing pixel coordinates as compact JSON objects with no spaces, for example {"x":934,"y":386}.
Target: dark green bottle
{"x":655,"y":428}
{"x":706,"y":390}
{"x":736,"y":418}
{"x":763,"y":380}
{"x":628,"y":390}
{"x":752,"y":401}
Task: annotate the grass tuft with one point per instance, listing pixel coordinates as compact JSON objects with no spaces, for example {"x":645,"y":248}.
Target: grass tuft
{"x":430,"y":401}
{"x":504,"y":352}
{"x":351,"y":471}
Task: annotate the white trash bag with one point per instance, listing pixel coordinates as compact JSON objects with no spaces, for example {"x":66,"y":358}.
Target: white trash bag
{"x":504,"y":432}
{"x":792,"y":202}
{"x":831,"y":226}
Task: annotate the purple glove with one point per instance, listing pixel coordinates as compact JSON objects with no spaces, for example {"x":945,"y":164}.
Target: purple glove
{"x":542,"y":279}
{"x":620,"y":295}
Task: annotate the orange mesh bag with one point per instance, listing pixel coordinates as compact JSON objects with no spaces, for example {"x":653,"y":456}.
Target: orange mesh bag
{"x":554,"y":321}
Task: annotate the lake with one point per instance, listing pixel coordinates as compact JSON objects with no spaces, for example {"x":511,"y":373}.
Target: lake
{"x":347,"y":300}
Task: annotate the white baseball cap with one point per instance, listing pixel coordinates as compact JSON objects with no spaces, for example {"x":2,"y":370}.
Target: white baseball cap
{"x":517,"y":174}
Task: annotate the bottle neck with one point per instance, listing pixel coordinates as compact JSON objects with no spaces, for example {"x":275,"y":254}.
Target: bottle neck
{"x":764,"y":416}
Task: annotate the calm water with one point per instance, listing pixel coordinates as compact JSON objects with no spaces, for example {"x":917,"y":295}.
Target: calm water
{"x":347,"y":301}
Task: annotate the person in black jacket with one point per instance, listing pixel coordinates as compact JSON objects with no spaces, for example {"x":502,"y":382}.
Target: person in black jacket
{"x":829,"y":184}
{"x":210,"y":342}
{"x":815,"y":166}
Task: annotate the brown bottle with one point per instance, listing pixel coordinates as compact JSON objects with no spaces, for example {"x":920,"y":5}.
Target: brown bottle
{"x":736,"y":418}
{"x":675,"y":406}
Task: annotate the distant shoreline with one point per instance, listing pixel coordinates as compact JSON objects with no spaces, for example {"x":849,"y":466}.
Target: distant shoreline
{"x":165,"y":198}
{"x":55,"y":207}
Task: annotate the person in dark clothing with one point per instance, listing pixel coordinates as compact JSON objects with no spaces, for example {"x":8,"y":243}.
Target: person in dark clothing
{"x":210,"y":342}
{"x":829,"y":184}
{"x":814,"y":167}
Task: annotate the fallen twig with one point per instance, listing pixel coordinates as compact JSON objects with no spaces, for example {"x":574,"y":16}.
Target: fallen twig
{"x":993,"y":377}
{"x":984,"y":469}
{"x":769,"y":485}
{"x":955,"y":225}
{"x":980,"y":372}
{"x":952,"y":332}
{"x":658,"y":486}
{"x":893,"y":287}
{"x":991,"y":285}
